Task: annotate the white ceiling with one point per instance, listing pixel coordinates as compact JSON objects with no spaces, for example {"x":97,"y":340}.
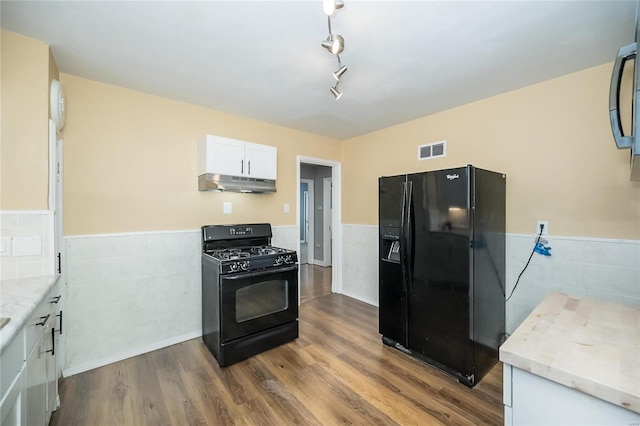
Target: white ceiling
{"x":263,"y":59}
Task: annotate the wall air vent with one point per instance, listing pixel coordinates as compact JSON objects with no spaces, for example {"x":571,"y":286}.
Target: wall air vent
{"x":432,"y":150}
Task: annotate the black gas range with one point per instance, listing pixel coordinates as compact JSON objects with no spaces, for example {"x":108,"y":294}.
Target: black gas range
{"x":249,"y":291}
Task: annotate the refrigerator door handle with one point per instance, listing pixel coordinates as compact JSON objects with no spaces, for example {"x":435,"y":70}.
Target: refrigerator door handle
{"x":408,"y":238}
{"x":403,"y":226}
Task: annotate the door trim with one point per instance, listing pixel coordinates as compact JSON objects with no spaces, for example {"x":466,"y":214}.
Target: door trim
{"x":311,"y":231}
{"x":326,"y":213}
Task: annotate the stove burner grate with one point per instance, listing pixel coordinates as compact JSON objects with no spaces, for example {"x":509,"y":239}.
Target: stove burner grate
{"x":265,"y":250}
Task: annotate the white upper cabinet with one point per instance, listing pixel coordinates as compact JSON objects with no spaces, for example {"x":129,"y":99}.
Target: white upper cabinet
{"x":261,"y":160}
{"x":225,"y":156}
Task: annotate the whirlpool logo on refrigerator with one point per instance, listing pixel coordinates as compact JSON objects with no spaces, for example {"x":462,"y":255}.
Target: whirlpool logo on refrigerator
{"x":452,"y":177}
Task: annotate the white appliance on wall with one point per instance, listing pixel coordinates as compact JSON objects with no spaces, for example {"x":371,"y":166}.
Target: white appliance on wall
{"x":630,"y":141}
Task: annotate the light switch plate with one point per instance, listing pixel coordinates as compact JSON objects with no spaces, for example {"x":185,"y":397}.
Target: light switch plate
{"x":286,"y":207}
{"x":226,"y":208}
{"x":27,"y":246}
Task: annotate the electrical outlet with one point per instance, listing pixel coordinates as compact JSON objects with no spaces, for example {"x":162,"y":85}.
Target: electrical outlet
{"x":545,"y":231}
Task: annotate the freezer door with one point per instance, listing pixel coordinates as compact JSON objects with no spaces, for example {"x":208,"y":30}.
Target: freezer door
{"x":392,"y":290}
{"x":439,"y":257}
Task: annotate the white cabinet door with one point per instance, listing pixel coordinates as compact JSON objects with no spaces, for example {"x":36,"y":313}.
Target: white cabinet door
{"x":35,"y":386}
{"x":261,"y":161}
{"x":12,"y":408}
{"x":51,"y":376}
{"x":225,"y":156}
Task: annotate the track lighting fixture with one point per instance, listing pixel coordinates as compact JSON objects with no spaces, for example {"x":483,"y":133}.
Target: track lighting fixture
{"x":330,"y":6}
{"x":337,"y":74}
{"x":334,"y":43}
{"x":335,"y":92}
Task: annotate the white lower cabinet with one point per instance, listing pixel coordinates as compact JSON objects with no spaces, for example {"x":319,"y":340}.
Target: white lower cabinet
{"x":533,"y":400}
{"x":35,"y":382}
{"x":51,"y":380}
{"x":13,"y":408}
{"x":29,"y":378}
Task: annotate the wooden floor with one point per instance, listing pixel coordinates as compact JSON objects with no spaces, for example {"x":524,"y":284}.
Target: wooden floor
{"x":337,"y":372}
{"x":315,"y":281}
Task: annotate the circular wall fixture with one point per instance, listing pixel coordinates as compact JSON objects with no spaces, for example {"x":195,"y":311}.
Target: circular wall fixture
{"x":57,"y":104}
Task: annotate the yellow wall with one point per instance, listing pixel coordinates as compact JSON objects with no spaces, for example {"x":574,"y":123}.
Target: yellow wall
{"x":24,"y":125}
{"x":553,"y":140}
{"x":130,"y":158}
{"x":131,"y":162}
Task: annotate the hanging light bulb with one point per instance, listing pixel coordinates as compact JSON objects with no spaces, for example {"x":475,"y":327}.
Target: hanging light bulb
{"x":335,"y":92}
{"x":334,"y":43}
{"x":330,"y":6}
{"x":337,"y":74}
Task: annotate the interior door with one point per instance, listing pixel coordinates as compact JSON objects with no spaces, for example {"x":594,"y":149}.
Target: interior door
{"x":392,"y":291}
{"x":439,"y":267}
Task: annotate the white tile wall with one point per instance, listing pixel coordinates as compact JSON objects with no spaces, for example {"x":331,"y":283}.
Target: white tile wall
{"x":597,"y":268}
{"x":584,"y":267}
{"x":285,"y":237}
{"x":130,"y":292}
{"x":36,"y":223}
{"x":360,"y":262}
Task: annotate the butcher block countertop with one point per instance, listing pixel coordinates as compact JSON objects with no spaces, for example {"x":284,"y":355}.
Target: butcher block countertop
{"x":588,"y":345}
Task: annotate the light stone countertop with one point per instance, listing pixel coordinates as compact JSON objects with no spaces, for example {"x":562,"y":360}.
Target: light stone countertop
{"x":18,"y":299}
{"x":588,"y":345}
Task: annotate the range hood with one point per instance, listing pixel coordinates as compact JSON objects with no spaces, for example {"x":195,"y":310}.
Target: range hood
{"x":220,"y":183}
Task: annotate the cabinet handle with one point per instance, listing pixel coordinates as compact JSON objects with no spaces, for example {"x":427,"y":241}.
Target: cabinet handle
{"x":56,"y":299}
{"x":44,"y":319}
{"x":241,"y":166}
{"x":249,"y":164}
{"x":60,"y":316}
{"x":53,"y":341}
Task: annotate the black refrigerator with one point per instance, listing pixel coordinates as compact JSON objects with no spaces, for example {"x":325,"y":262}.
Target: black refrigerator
{"x":442,"y":268}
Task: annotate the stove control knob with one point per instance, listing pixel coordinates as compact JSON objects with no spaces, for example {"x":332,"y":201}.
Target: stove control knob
{"x":233,"y":267}
{"x":288,"y":259}
{"x":279,"y":261}
{"x":245,"y":265}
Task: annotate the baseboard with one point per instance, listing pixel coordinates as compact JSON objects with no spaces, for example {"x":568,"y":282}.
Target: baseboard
{"x":321,"y":263}
{"x":362,"y":299}
{"x":130,"y":354}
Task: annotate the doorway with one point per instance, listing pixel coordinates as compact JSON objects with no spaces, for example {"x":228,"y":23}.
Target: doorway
{"x":320,"y":274}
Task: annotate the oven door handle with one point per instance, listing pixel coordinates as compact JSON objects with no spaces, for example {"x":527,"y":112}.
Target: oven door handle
{"x":258,"y":274}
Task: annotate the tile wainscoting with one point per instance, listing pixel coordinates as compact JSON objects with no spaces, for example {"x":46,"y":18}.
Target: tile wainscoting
{"x":602,"y":269}
{"x":360,"y":262}
{"x":37,"y":224}
{"x":128,"y":294}
{"x":285,"y":237}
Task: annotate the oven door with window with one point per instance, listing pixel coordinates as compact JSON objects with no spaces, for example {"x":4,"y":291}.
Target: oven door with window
{"x":255,"y":301}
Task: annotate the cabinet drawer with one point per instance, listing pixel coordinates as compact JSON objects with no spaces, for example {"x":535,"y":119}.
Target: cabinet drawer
{"x":11,"y":362}
{"x":36,"y":324}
